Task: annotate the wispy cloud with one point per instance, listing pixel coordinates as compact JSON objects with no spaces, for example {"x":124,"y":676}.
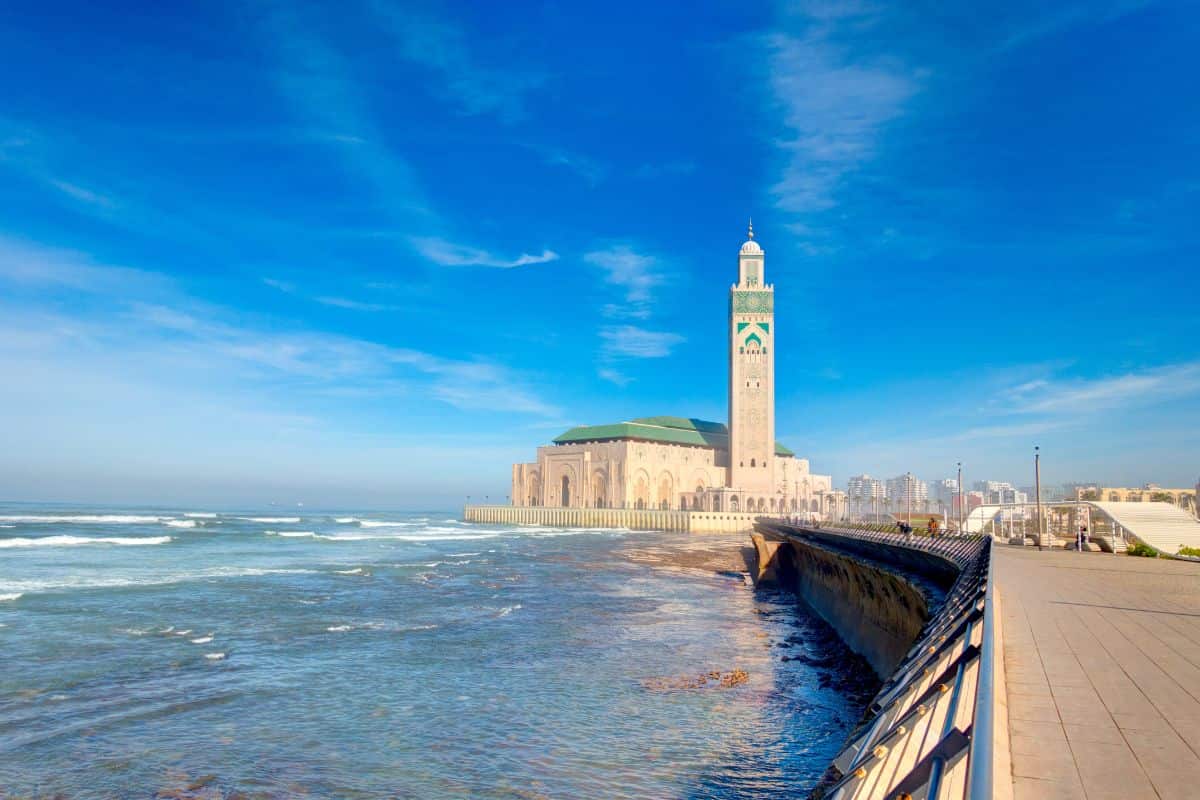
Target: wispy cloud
{"x":1090,"y":395}
{"x":835,"y":104}
{"x":287,"y":287}
{"x":1060,"y":17}
{"x":442,"y":48}
{"x":635,"y":342}
{"x":82,"y":194}
{"x":149,"y":325}
{"x":587,"y":168}
{"x":635,"y":273}
{"x":450,"y":254}
{"x":327,"y":97}
{"x":613,"y":376}
{"x":353,"y":305}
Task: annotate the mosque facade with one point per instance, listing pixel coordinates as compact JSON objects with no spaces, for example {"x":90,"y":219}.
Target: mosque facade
{"x":677,"y":463}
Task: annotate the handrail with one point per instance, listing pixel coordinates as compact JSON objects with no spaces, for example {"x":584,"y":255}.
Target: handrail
{"x":982,"y":754}
{"x":896,"y":752}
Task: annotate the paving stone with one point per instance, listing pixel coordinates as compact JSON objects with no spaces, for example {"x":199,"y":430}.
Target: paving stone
{"x":1102,"y":668}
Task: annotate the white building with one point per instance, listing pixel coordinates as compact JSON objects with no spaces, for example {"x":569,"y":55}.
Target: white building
{"x":866,"y":495}
{"x":685,"y":463}
{"x":1000,"y":493}
{"x":905,"y":488}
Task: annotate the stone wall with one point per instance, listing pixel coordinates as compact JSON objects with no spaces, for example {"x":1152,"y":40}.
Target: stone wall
{"x":876,"y":610}
{"x":631,"y":518}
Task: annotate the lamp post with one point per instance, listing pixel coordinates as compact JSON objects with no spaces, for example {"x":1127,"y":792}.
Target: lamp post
{"x":960,"y":501}
{"x":1037,"y":488}
{"x":908,"y":493}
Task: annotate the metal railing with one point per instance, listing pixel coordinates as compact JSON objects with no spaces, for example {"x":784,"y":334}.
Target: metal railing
{"x":928,"y":733}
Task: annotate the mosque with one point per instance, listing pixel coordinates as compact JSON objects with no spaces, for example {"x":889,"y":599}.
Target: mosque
{"x":676,"y":463}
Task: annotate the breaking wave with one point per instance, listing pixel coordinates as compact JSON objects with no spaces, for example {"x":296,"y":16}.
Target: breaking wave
{"x":201,"y":515}
{"x":99,"y":519}
{"x":71,"y":541}
{"x":277,"y":520}
{"x":10,"y":596}
{"x":180,"y":523}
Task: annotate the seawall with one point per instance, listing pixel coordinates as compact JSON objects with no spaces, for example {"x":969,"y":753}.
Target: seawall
{"x":938,"y":727}
{"x":876,"y":609}
{"x":644,"y":519}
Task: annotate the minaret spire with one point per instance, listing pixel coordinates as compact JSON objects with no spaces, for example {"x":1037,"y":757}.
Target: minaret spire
{"x":750,"y":233}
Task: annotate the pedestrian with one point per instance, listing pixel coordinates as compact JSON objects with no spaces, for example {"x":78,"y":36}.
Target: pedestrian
{"x":933,"y":528}
{"x":1083,"y":534}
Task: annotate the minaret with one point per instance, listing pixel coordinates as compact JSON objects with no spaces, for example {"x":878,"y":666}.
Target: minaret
{"x":751,"y":374}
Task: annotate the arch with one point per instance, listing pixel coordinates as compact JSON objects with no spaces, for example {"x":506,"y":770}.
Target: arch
{"x":716,"y":503}
{"x":753,"y":338}
{"x":753,"y":463}
{"x":665,"y":490}
{"x":564,"y":496}
{"x":733,"y":503}
{"x":816,"y":505}
{"x":599,"y":489}
{"x":641,"y":489}
{"x":535,"y":489}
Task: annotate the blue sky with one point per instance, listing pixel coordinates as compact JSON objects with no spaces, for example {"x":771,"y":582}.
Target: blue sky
{"x":372,"y":252}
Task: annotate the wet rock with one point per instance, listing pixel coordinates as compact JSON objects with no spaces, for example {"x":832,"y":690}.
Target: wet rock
{"x":708,"y":680}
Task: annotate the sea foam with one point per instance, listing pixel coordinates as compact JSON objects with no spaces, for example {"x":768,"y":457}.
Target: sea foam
{"x":72,"y":541}
{"x":101,"y":519}
{"x":285,"y":520}
{"x":180,"y":523}
{"x":10,"y":596}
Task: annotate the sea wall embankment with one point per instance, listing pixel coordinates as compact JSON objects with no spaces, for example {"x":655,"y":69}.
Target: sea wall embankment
{"x":938,"y":726}
{"x":876,"y":608}
{"x":637,"y":519}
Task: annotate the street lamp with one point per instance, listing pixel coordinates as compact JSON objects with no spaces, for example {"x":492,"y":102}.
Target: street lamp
{"x":908,"y":493}
{"x":961,"y":532}
{"x":1037,"y":488}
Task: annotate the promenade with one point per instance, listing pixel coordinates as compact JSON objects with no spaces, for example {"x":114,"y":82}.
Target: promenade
{"x":1102,"y":663}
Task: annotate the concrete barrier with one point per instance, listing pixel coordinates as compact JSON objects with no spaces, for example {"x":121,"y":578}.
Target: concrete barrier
{"x":638,"y":519}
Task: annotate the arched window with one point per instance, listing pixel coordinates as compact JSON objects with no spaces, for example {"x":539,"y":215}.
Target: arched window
{"x":752,"y":463}
{"x":566,"y":491}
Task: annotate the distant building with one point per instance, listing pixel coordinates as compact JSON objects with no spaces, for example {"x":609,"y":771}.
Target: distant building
{"x":1150,"y":492}
{"x":866,"y":495}
{"x":944,"y":494}
{"x":905,"y":488}
{"x":1001,"y":493}
{"x":692,"y":464}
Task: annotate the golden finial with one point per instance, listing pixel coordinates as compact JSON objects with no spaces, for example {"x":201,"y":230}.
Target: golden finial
{"x":750,"y":233}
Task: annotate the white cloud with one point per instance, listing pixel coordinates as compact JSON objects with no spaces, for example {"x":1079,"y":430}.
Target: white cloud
{"x":636,"y":274}
{"x":326,"y":96}
{"x":442,"y":48}
{"x":147,"y":328}
{"x":614,"y":376}
{"x":353,"y":305}
{"x":450,"y":254}
{"x":835,"y":105}
{"x":635,"y":342}
{"x":1089,"y":395}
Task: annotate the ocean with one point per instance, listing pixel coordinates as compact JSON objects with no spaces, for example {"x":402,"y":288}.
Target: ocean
{"x":291,"y":653}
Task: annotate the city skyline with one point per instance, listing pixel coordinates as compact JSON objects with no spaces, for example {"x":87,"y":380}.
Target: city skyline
{"x":271,"y":253}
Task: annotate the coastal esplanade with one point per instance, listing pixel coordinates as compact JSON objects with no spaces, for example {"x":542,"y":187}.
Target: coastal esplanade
{"x":685,"y":464}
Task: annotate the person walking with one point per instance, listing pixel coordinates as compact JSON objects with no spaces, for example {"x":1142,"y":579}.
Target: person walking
{"x":933,"y":528}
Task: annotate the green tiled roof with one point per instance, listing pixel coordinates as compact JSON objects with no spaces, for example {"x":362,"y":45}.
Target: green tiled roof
{"x":668,"y":430}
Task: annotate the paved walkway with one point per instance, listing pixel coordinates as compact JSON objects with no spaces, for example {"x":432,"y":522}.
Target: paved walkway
{"x":1102,"y":662}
